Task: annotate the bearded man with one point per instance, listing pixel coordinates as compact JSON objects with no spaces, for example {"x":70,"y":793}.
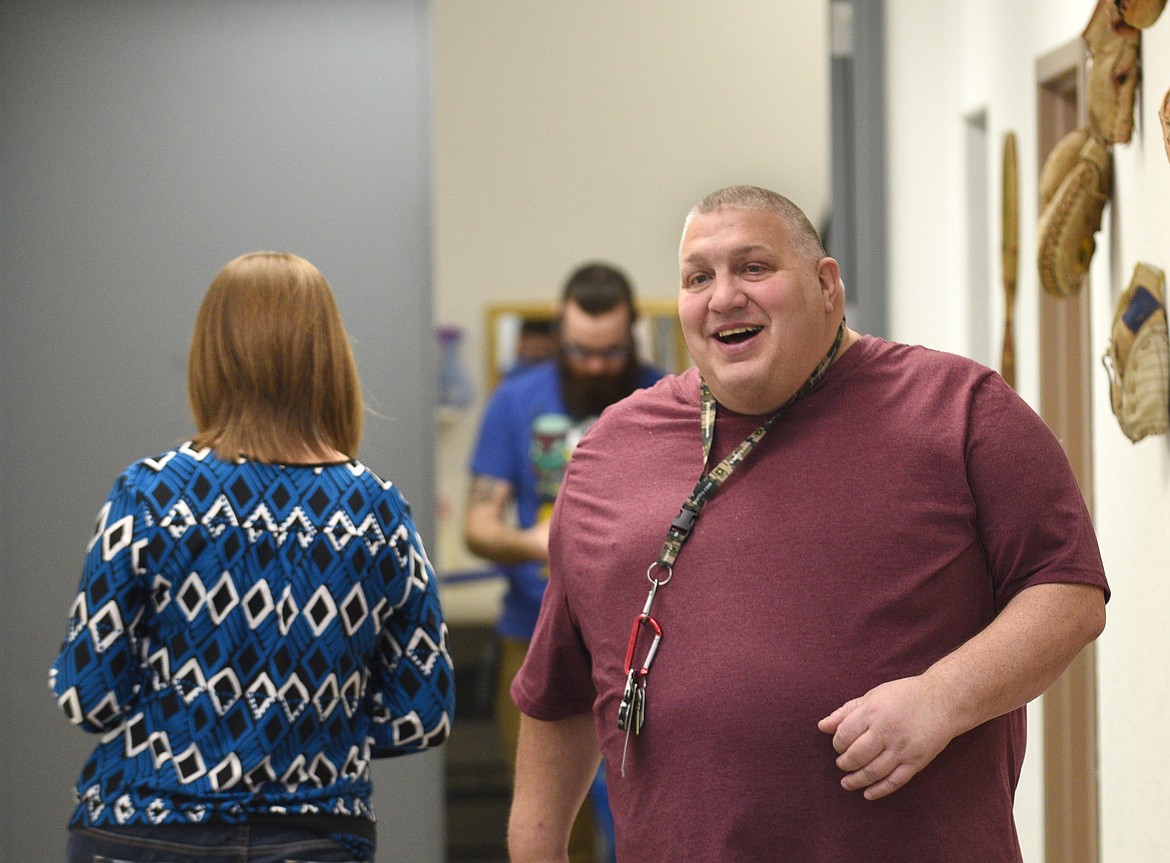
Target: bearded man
{"x":529,"y":429}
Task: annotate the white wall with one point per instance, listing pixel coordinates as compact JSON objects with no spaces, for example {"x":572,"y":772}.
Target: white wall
{"x":947,"y":60}
{"x":567,"y":131}
{"x":580,"y":131}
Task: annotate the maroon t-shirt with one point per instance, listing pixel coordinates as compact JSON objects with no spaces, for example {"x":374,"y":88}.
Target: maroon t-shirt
{"x":882,"y":522}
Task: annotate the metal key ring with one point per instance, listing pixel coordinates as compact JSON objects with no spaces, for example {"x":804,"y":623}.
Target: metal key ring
{"x":659,"y":582}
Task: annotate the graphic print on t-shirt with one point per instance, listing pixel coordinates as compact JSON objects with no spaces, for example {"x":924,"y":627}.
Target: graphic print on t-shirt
{"x":554,"y":436}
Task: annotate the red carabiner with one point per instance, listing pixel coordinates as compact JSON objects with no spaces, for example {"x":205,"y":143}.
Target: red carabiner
{"x":638,"y":623}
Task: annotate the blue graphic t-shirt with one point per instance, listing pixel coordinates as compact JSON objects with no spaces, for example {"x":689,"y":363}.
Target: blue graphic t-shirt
{"x":526,"y":438}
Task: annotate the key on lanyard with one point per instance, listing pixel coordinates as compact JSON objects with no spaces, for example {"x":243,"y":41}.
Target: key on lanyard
{"x":632,"y":709}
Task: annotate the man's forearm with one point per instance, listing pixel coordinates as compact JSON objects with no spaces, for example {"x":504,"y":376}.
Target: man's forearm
{"x":887,"y":735}
{"x":555,"y":764}
{"x":490,"y":534}
{"x":502,"y":543}
{"x":1021,"y":653}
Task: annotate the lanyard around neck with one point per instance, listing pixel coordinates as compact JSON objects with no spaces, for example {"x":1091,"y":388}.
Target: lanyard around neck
{"x":710,"y":481}
{"x":632,"y":708}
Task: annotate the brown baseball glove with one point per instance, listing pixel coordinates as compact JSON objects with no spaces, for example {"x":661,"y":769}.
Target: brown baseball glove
{"x":1113,"y":76}
{"x":1060,"y":162}
{"x":1071,"y":214}
{"x":1140,"y":13}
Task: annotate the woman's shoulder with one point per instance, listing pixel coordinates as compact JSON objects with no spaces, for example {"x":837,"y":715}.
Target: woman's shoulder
{"x":183,"y":458}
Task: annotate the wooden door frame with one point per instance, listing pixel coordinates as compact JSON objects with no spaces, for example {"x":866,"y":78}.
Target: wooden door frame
{"x":1071,"y":805}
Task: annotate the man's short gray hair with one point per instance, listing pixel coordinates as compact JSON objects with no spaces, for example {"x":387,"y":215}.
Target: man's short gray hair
{"x":804,"y":236}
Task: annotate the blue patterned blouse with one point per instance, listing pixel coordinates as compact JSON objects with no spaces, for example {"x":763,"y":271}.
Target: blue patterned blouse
{"x":246,"y":638}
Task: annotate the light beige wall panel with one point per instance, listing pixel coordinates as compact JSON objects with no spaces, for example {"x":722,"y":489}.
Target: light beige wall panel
{"x":567,"y":131}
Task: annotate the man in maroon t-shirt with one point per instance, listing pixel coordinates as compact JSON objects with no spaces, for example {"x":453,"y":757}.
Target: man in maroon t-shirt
{"x":881,"y":556}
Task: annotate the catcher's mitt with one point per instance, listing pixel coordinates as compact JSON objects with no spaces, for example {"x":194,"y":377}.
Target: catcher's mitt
{"x":1138,"y":356}
{"x":1140,"y":13}
{"x":1072,"y":215}
{"x":1113,"y":77}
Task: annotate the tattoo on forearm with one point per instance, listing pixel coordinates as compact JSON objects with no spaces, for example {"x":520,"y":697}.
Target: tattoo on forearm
{"x":484,"y":489}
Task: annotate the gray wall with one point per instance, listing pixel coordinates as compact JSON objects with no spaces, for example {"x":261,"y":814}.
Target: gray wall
{"x":144,"y":145}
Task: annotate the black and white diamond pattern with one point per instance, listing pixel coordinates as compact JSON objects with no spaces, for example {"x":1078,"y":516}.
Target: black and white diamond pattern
{"x":258,"y":603}
{"x":227,"y":773}
{"x":295,"y":776}
{"x":251,"y":596}
{"x":320,"y":610}
{"x":70,"y":703}
{"x":123,"y":809}
{"x":157,"y":811}
{"x":78,"y":613}
{"x":160,"y":666}
{"x":105,"y":626}
{"x":137,"y":735}
{"x":354,"y":610}
{"x":189,"y":764}
{"x":160,"y":748}
{"x":261,"y":695}
{"x":192,"y":595}
{"x":260,"y":775}
{"x":222,"y":598}
{"x":327,"y":697}
{"x":189,"y":680}
{"x":220,"y":517}
{"x":293,"y":698}
{"x":160,"y":593}
{"x":179,"y":520}
{"x":105,"y":711}
{"x":117,"y":537}
{"x":286,"y":610}
{"x":225,"y":690}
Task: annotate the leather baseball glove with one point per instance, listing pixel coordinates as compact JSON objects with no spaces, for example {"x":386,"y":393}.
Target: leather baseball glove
{"x":1138,"y":356}
{"x":1113,"y":76}
{"x":1140,"y":13}
{"x":1071,"y":212}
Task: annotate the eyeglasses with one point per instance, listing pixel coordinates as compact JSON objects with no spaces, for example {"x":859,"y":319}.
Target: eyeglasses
{"x":580,"y":353}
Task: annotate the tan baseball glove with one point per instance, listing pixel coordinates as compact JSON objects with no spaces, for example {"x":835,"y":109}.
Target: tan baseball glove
{"x":1138,"y":356}
{"x":1060,"y":162}
{"x":1072,"y":211}
{"x":1140,"y":13}
{"x":1113,"y":76}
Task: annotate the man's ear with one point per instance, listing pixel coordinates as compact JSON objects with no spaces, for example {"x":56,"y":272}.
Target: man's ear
{"x":829,"y":276}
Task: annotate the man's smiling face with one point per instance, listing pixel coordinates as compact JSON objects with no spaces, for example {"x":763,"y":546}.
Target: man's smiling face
{"x":755,"y":312}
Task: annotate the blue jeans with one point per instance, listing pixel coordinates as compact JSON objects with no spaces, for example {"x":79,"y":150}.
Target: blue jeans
{"x":206,"y":843}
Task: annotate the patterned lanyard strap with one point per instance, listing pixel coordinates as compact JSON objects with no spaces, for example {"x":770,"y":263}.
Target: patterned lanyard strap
{"x":632,"y":709}
{"x":709,"y":482}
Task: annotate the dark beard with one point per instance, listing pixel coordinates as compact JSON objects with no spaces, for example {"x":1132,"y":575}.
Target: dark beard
{"x":588,"y":396}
